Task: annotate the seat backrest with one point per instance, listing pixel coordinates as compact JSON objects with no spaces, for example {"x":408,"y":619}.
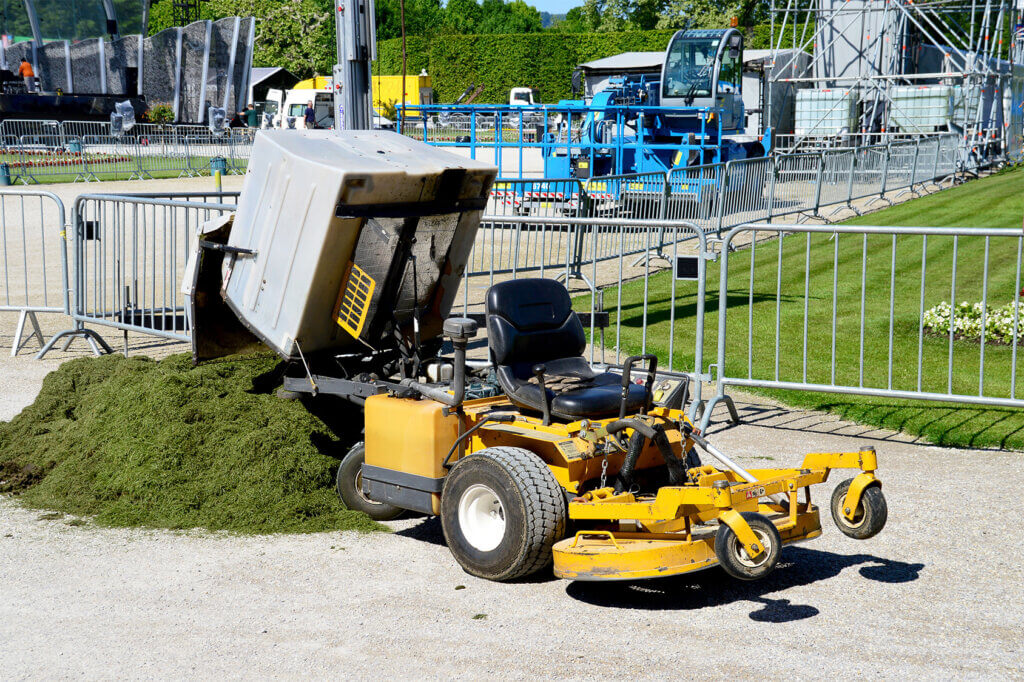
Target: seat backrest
{"x":531,"y":321}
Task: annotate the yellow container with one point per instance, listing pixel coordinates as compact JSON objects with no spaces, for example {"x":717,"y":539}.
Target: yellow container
{"x":388,"y":90}
{"x":406,"y":442}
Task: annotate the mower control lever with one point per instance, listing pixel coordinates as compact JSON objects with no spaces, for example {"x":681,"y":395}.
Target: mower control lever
{"x":538,"y":371}
{"x":627,"y":378}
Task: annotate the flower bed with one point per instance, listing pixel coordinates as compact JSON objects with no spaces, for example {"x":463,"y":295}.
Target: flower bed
{"x":966,"y":320}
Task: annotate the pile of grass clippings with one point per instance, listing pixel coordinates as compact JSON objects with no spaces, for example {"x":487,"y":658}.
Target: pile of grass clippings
{"x":135,"y":442}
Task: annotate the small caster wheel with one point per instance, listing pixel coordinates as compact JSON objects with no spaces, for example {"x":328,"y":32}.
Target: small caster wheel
{"x":349,"y":484}
{"x":869,"y":517}
{"x":284,"y":394}
{"x":733,"y":556}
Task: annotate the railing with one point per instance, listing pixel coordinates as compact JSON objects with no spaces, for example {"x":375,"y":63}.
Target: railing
{"x":33,"y":260}
{"x":826,"y":308}
{"x":789,"y":318}
{"x":46,"y":151}
{"x":129,"y":256}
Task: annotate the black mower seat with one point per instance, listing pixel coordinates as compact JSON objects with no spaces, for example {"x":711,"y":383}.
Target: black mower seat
{"x":531,"y":322}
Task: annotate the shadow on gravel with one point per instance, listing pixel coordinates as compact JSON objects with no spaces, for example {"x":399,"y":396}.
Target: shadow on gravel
{"x":427,"y":531}
{"x":798,"y":566}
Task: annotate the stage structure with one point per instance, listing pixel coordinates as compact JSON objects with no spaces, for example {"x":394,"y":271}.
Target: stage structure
{"x":885,"y":70}
{"x":94,"y":50}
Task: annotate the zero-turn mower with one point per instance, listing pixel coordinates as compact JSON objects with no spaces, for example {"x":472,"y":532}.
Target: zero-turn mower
{"x":529,"y":457}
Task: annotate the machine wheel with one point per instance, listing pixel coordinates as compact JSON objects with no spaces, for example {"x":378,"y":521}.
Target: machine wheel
{"x":734,"y":557}
{"x":501,"y":511}
{"x":870,"y":515}
{"x":349,"y":483}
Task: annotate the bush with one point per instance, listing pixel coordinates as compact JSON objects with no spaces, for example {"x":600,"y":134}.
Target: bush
{"x":539,"y":60}
{"x":159,"y":113}
{"x":966,"y":319}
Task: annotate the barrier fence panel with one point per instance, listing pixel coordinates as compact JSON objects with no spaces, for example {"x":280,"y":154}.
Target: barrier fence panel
{"x":50,"y":158}
{"x":868,"y":171}
{"x":746,"y":192}
{"x":129,"y":257}
{"x":796,"y":184}
{"x":893,"y":312}
{"x":694,"y":194}
{"x":107,"y":157}
{"x":33,"y":260}
{"x":161,"y":156}
{"x":900,"y":168}
{"x":30,"y":129}
{"x":834,"y":182}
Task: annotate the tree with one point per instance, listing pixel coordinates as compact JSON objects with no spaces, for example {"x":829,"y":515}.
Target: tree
{"x":516,"y":16}
{"x":462,"y":16}
{"x":574,"y":22}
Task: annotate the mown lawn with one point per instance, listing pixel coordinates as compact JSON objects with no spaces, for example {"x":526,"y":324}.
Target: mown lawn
{"x":98,"y":169}
{"x":797,"y":272}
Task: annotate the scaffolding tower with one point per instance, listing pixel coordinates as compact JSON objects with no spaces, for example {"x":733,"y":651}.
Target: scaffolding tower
{"x":898,"y":69}
{"x":184,"y":12}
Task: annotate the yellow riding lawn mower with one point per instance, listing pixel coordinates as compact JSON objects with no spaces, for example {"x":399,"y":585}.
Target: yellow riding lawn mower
{"x":528,"y":456}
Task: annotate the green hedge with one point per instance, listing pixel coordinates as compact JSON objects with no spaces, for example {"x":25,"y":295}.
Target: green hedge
{"x":503,"y":61}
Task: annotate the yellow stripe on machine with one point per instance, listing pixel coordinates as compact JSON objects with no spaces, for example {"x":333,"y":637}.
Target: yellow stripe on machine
{"x":354,"y":300}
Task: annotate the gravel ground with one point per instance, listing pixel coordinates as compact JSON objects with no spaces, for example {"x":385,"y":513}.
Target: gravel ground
{"x":935,"y":595}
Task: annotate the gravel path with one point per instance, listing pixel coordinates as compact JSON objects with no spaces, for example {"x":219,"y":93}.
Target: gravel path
{"x":936,"y":595}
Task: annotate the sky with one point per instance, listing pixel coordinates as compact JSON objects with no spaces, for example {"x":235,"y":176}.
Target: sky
{"x":554,"y":6}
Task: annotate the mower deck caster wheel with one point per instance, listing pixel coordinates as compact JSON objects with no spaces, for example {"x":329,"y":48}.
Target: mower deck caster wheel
{"x":349,"y":484}
{"x":869,"y":517}
{"x":734,"y":558}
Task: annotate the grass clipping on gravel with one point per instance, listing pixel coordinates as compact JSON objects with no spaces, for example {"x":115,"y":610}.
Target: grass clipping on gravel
{"x":135,"y":442}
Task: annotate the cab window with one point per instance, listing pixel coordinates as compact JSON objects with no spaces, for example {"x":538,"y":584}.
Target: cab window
{"x":730,"y":78}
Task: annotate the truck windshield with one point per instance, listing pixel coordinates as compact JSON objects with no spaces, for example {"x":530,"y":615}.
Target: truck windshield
{"x":688,"y":67}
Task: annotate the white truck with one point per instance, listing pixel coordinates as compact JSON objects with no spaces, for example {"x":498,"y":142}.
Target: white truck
{"x":291,"y":109}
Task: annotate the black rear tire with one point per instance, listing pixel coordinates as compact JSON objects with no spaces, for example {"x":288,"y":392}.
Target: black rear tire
{"x":501,"y":511}
{"x":870,"y":517}
{"x":350,"y":487}
{"x":733,"y":557}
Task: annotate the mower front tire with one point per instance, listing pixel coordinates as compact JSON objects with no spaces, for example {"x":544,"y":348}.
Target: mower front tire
{"x":734,"y":558}
{"x":870,"y":516}
{"x":501,"y":512}
{"x":349,"y":483}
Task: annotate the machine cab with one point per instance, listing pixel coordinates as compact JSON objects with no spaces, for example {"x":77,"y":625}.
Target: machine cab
{"x":704,"y":68}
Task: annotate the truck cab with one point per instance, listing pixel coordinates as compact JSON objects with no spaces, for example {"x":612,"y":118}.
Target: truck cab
{"x":523,"y":97}
{"x":704,"y":68}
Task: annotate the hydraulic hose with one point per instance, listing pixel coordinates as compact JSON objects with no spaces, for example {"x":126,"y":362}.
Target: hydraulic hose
{"x":641,"y":432}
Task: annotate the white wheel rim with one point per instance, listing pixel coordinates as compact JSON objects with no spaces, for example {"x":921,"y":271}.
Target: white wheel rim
{"x":858,"y":520}
{"x":481,"y":517}
{"x":766,"y":544}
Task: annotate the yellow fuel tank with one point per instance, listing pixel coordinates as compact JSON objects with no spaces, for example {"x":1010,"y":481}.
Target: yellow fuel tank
{"x":406,"y":442}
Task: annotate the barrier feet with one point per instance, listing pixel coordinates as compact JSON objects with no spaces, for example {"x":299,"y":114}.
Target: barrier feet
{"x":19,"y":331}
{"x":704,"y":413}
{"x":95,"y":342}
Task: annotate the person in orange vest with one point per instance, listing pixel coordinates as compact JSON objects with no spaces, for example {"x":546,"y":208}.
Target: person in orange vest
{"x":26,"y":72}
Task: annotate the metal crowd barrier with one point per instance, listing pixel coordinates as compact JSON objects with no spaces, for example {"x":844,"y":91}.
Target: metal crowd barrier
{"x":898,"y":354}
{"x":34,"y":265}
{"x":129,"y":256}
{"x":42,"y":151}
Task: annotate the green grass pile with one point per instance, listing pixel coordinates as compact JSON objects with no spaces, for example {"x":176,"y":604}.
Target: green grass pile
{"x":135,"y":442}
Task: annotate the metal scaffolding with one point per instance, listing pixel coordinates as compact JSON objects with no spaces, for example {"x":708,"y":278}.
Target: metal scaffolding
{"x":899,"y":69}
{"x":184,"y":12}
